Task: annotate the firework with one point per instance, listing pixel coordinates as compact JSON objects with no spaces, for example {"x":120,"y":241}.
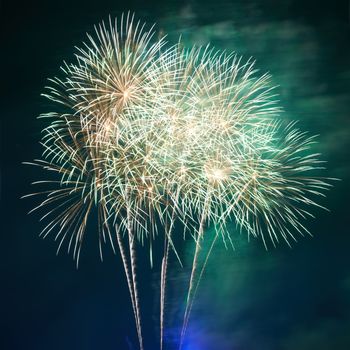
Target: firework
{"x":152,"y":135}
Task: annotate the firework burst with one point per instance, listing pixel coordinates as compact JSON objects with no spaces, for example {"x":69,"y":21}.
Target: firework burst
{"x":151,"y":135}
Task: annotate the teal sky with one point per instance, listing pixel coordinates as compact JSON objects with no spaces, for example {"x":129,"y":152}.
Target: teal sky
{"x":249,"y":299}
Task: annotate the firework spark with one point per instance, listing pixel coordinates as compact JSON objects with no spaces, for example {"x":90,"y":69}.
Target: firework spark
{"x":152,"y":135}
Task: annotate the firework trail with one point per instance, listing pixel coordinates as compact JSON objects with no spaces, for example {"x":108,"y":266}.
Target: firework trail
{"x":151,"y":134}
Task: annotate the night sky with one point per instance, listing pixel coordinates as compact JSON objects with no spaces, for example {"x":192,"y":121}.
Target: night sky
{"x":250,"y":299}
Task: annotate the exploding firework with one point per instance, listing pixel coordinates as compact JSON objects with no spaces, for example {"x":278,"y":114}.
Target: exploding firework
{"x":152,"y":135}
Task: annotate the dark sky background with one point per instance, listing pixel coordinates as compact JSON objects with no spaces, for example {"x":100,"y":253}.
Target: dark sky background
{"x":250,"y":299}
